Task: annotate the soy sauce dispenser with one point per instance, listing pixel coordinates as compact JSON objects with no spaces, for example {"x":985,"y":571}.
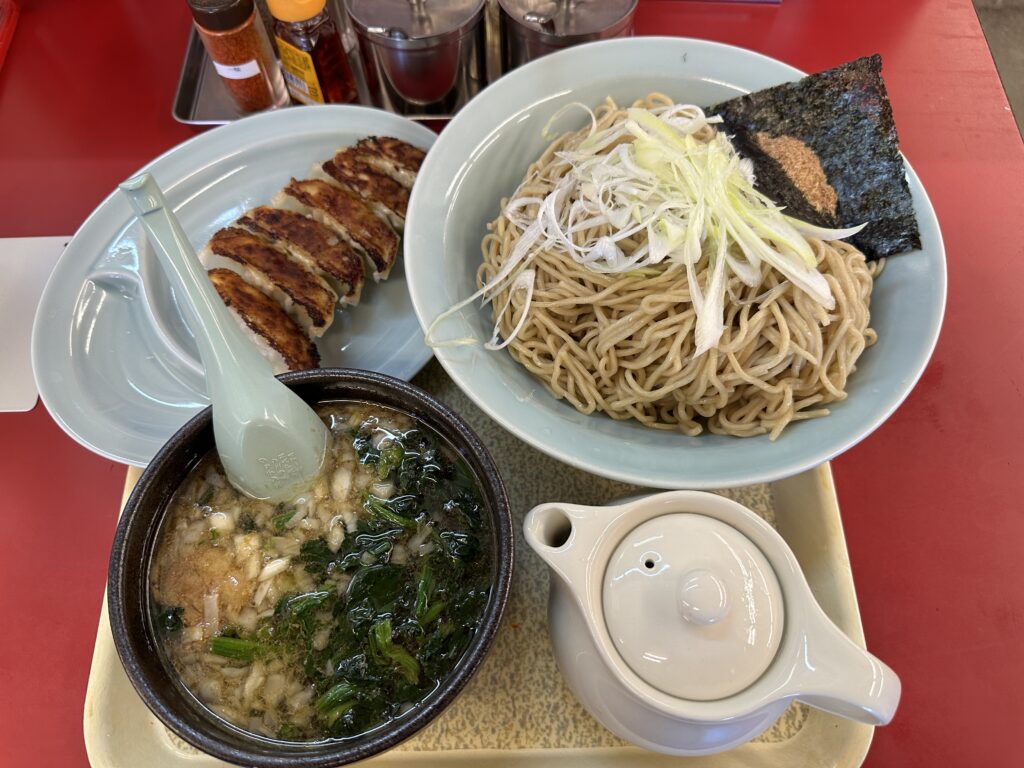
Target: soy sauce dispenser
{"x":533,"y":28}
{"x":421,"y":57}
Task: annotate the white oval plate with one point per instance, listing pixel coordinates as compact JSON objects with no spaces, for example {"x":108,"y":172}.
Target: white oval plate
{"x":114,"y":362}
{"x":481,"y":157}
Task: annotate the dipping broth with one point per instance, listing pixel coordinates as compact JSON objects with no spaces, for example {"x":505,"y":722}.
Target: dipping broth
{"x":330,"y":615}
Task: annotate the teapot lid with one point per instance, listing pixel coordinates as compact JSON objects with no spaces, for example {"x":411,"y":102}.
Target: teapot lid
{"x":404,"y":20}
{"x":560,"y":18}
{"x":693,"y":606}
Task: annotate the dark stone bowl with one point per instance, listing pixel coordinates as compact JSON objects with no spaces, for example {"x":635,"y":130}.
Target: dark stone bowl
{"x":135,"y":539}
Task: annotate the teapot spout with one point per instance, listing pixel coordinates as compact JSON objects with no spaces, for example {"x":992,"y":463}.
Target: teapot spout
{"x":838,"y":676}
{"x":564,"y":536}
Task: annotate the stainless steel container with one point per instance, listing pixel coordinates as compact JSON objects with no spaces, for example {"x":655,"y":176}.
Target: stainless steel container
{"x":533,"y":28}
{"x":421,"y":58}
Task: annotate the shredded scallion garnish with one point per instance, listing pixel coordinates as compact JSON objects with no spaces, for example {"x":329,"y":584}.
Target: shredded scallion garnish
{"x":694,"y":200}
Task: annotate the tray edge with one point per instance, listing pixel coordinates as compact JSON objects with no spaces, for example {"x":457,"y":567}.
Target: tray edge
{"x":823,"y":739}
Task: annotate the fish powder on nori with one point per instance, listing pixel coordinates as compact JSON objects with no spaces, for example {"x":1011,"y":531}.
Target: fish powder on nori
{"x":843,"y":115}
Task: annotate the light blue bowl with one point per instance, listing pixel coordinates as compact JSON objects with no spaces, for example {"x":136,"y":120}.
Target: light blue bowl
{"x":482,"y":155}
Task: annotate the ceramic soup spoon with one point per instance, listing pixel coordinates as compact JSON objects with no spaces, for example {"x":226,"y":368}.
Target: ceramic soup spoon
{"x":271,"y":443}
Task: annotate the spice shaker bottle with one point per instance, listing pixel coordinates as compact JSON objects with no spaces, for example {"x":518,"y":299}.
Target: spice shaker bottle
{"x":422,"y":58}
{"x":533,"y":28}
{"x":315,"y":64}
{"x":240,"y":50}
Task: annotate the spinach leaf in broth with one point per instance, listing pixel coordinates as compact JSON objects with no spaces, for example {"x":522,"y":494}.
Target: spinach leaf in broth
{"x":395,"y":604}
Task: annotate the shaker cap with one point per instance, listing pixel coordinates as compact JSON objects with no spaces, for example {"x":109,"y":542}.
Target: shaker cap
{"x":415,"y":19}
{"x":221,"y":15}
{"x":295,"y":10}
{"x":693,"y":606}
{"x":569,"y":18}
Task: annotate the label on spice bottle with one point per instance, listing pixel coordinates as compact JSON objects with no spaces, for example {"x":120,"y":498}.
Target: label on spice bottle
{"x":241,"y":71}
{"x":300,"y":73}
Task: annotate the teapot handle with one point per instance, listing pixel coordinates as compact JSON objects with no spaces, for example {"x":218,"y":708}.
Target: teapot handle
{"x":838,"y":676}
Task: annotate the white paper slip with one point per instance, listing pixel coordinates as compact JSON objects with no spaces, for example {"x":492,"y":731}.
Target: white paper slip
{"x":26,"y":264}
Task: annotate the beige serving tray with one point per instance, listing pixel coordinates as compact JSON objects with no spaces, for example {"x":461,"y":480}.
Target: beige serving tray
{"x":517,"y":711}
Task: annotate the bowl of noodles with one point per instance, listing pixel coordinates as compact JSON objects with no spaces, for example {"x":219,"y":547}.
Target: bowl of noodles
{"x":592,"y":349}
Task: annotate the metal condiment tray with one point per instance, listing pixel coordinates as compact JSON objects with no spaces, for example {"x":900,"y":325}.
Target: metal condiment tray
{"x":201,"y":98}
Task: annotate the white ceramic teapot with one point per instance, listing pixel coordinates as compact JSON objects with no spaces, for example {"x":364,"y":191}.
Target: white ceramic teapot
{"x":683,"y":623}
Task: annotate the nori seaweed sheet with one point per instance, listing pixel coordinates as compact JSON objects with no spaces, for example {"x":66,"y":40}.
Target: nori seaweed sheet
{"x":844,"y":116}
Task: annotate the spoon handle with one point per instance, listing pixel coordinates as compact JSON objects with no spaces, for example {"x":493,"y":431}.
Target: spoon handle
{"x":225,"y":351}
{"x":271,"y":443}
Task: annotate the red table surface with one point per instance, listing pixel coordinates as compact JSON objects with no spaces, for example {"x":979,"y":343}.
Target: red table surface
{"x":931,"y":501}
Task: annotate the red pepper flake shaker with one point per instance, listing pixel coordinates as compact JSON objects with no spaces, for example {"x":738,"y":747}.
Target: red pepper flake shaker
{"x":237,"y":43}
{"x":314,"y":61}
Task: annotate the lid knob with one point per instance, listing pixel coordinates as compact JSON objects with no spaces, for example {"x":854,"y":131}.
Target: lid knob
{"x":692,"y":606}
{"x":546,"y":23}
{"x":702,"y":597}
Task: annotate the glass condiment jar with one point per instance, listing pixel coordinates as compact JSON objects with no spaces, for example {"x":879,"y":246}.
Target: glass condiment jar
{"x":534,"y":28}
{"x":422,"y":58}
{"x":315,"y":64}
{"x":233,"y":35}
